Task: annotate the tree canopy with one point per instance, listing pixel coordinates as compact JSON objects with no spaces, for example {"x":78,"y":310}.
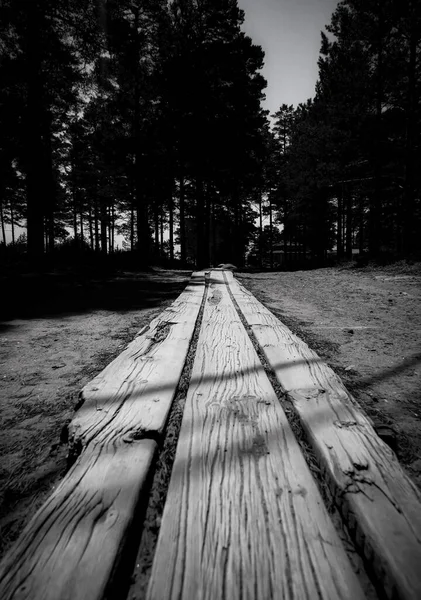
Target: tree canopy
{"x":130,"y":117}
{"x":348,"y":158}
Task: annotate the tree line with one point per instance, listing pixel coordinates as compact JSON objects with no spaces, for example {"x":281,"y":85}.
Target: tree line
{"x":344,"y":169}
{"x":132,"y":117}
{"x":144,"y":119}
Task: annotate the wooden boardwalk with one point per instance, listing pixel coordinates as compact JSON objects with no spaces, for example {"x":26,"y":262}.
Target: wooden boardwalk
{"x":243,"y":518}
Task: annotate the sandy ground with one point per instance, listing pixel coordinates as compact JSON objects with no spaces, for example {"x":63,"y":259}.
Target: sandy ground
{"x":45,"y":359}
{"x":366,"y":324}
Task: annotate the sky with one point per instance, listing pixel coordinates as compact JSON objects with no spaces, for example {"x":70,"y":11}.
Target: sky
{"x":289,"y":33}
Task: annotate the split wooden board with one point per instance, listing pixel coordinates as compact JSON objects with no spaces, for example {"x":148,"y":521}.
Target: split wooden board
{"x":243,"y":516}
{"x":74,"y":545}
{"x":144,"y":376}
{"x":381,"y":506}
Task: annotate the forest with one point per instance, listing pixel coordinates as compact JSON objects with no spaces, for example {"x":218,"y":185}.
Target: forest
{"x":142,"y":121}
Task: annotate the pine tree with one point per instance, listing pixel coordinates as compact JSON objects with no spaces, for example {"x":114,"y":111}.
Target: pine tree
{"x":215,"y":89}
{"x":44,"y":50}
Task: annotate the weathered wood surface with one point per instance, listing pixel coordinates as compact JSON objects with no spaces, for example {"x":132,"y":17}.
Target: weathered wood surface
{"x":143,"y":378}
{"x":380,"y":504}
{"x":73,"y":546}
{"x":243,"y":516}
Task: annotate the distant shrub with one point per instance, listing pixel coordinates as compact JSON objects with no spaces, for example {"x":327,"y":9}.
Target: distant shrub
{"x":72,"y":246}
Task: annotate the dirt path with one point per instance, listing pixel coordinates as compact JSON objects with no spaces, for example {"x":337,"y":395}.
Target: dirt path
{"x":44,"y":362}
{"x":366,"y":323}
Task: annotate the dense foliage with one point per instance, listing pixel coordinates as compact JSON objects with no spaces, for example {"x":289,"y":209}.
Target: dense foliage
{"x":130,"y":117}
{"x":346,"y":162}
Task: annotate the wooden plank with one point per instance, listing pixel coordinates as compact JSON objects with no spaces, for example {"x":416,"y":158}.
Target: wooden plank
{"x":73,"y":546}
{"x":243,"y":517}
{"x":146,"y":373}
{"x":381,"y":505}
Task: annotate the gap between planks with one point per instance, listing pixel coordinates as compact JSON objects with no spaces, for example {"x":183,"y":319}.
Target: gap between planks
{"x":74,"y":546}
{"x":243,"y":518}
{"x":379,"y":503}
{"x":162,"y":474}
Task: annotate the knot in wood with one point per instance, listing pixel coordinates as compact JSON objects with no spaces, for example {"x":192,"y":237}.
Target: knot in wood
{"x":134,"y":436}
{"x":215,"y":298}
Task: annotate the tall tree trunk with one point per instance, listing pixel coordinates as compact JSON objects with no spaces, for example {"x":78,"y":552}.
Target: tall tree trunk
{"x":361,"y":225}
{"x":75,"y":227}
{"x":400,"y":223}
{"x":305,"y":240}
{"x":3,"y":228}
{"x":12,"y":221}
{"x":82,"y":233}
{"x":348,"y":229}
{"x":212,"y":237}
{"x":142,"y":212}
{"x":285,"y":228}
{"x":339,"y":238}
{"x":50,"y":200}
{"x":410,"y":226}
{"x":35,"y":151}
{"x":162,"y":230}
{"x":50,"y":229}
{"x":132,"y":225}
{"x":156,"y":225}
{"x":183,"y":252}
{"x":261,"y":229}
{"x":376,"y":200}
{"x":271,"y":234}
{"x":103,"y":224}
{"x":74,"y":203}
{"x":112,"y":227}
{"x":91,"y":231}
{"x":109,"y":234}
{"x":207,"y":224}
{"x":96,"y":223}
{"x":142,"y":219}
{"x":236,"y":244}
{"x":171,"y":223}
{"x":200,"y":222}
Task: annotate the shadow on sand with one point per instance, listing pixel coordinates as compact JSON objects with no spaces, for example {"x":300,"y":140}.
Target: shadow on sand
{"x":38,"y":294}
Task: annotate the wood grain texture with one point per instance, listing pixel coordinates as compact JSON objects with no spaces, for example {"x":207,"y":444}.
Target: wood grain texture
{"x":73,"y":546}
{"x":380,"y":504}
{"x":243,"y":517}
{"x":142,"y":380}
